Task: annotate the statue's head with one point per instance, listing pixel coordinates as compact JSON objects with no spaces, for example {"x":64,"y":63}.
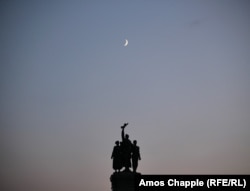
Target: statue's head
{"x":117,"y":143}
{"x":135,"y":142}
{"x":126,"y":136}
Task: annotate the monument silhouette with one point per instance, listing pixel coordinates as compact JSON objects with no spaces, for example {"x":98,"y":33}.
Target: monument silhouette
{"x":125,"y":155}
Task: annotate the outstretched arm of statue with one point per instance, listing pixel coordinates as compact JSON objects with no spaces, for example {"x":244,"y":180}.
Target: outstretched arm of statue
{"x":123,"y":136}
{"x":123,"y":127}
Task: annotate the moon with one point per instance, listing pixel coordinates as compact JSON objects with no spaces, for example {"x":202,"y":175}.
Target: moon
{"x":126,"y":42}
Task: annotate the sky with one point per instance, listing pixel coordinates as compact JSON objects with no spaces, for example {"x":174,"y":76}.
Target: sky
{"x":68,"y":83}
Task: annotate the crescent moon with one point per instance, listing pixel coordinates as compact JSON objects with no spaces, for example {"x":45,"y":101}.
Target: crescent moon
{"x":126,"y":42}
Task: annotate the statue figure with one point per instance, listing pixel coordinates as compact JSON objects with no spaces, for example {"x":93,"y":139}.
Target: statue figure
{"x":135,"y":155}
{"x":124,"y":152}
{"x":126,"y":146}
{"x":116,"y":156}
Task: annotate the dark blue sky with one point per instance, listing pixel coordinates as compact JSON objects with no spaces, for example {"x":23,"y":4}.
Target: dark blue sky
{"x":68,"y":84}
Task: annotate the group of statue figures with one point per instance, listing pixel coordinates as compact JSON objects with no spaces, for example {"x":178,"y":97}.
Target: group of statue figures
{"x":124,"y":152}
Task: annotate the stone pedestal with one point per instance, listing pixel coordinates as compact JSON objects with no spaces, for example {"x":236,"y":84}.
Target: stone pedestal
{"x":123,"y":181}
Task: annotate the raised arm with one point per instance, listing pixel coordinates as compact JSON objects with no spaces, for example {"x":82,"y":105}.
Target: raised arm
{"x":123,"y":136}
{"x":123,"y":127}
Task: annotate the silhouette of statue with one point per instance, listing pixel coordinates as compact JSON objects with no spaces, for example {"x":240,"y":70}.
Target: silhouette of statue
{"x":126,"y":149}
{"x":116,"y":156}
{"x":135,"y":155}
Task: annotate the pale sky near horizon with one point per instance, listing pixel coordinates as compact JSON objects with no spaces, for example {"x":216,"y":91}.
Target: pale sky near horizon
{"x":68,"y":84}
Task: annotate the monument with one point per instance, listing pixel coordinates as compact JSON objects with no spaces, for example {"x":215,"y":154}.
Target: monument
{"x":125,"y":155}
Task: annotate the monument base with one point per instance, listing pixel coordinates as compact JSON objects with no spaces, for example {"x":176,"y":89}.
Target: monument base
{"x":123,"y":181}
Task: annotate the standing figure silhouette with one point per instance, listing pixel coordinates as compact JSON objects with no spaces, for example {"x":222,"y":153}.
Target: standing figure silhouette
{"x":116,"y":156}
{"x":135,"y":155}
{"x":126,"y":148}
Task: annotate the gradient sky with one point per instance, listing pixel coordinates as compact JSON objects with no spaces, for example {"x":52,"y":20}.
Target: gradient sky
{"x":67,"y":85}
